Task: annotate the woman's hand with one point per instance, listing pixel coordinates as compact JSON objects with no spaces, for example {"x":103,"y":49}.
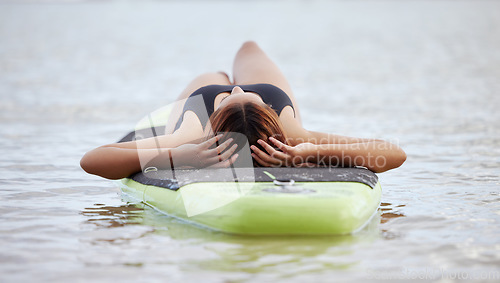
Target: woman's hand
{"x":301,"y":155}
{"x":201,"y":155}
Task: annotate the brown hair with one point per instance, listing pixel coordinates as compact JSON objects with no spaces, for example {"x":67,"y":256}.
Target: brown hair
{"x":254,"y":121}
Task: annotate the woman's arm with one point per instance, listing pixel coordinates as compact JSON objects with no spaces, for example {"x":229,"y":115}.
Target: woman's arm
{"x":116,"y":162}
{"x":376,"y":155}
{"x":323,"y":149}
{"x":326,"y":138}
{"x":120,"y":160}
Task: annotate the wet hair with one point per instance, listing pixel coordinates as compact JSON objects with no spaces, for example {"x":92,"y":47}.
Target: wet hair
{"x":253,"y":121}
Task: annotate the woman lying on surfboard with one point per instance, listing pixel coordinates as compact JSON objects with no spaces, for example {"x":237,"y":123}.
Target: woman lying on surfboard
{"x":259,"y":105}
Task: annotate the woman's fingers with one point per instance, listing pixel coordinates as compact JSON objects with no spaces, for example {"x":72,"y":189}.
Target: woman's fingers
{"x":217,"y":158}
{"x":220,"y":148}
{"x":265,"y":157}
{"x":227,"y":154}
{"x":272,"y":151}
{"x":226,"y":163}
{"x":262,"y":162}
{"x":223,"y":154}
{"x":208,"y":143}
{"x":283,"y":147}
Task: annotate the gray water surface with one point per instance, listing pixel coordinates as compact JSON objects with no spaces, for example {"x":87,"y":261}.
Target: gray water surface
{"x":76,"y":75}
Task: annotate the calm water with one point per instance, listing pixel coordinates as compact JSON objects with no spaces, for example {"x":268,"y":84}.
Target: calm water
{"x":75,"y":75}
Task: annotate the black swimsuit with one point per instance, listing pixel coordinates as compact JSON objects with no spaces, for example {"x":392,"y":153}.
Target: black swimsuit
{"x":273,"y":96}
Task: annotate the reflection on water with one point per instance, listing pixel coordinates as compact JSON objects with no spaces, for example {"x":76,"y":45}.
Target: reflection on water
{"x":113,"y":216}
{"x":289,"y":256}
{"x":390,"y":212}
{"x":284,"y":255}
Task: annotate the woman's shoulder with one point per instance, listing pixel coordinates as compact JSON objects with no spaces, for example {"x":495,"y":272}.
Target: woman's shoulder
{"x":292,"y":126}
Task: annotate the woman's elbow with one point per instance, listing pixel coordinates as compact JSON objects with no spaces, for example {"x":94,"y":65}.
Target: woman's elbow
{"x":92,"y":163}
{"x":89,"y":164}
{"x":110,"y":163}
{"x":401,"y":158}
{"x":394,"y":161}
